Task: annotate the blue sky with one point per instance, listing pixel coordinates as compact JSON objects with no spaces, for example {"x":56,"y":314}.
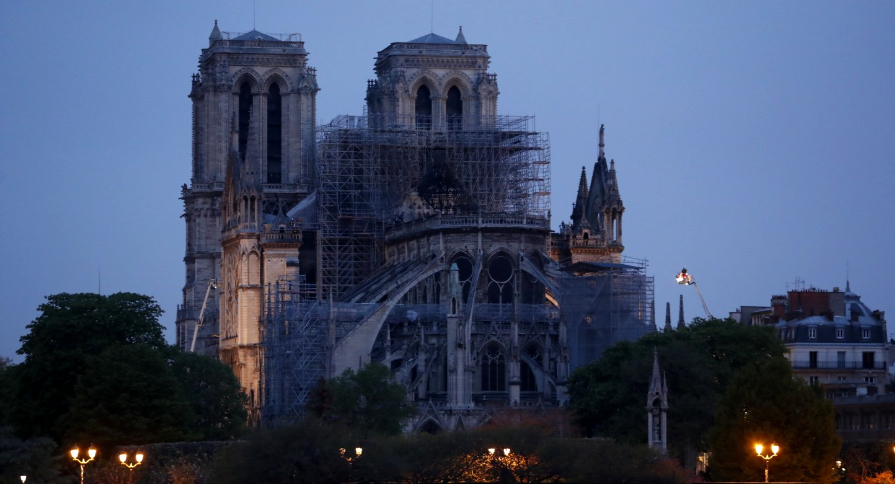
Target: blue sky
{"x":753,"y":140}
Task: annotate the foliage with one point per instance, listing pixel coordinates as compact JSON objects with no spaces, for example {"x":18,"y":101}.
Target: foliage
{"x":70,"y":329}
{"x":34,"y":458}
{"x":309,"y":452}
{"x":128,"y":395}
{"x":166,"y":463}
{"x":97,"y":370}
{"x":370,"y":401}
{"x":698,"y":361}
{"x":214,"y":395}
{"x":867,"y":461}
{"x":766,"y":404}
{"x":304,"y":453}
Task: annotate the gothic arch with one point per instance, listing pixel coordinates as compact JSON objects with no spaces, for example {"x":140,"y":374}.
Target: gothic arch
{"x":427,"y":78}
{"x":458,"y":79}
{"x":244,"y":74}
{"x":276,"y":75}
{"x":429,"y":426}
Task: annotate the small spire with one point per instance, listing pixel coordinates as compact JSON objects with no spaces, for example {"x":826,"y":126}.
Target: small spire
{"x":215,"y":33}
{"x":602,"y":143}
{"x":668,"y":326}
{"x":460,"y":37}
{"x":578,"y":212}
{"x":680,"y":318}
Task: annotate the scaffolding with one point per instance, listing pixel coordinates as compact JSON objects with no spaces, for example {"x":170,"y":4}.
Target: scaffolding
{"x":611,"y":304}
{"x":368,"y":165}
{"x":294,"y":343}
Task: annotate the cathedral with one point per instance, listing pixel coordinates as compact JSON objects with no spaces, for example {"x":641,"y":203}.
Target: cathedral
{"x":416,"y":235}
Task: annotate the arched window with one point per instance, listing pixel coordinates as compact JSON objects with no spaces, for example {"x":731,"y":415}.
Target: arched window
{"x":245,"y":114}
{"x":454,"y":109}
{"x":423,"y":108}
{"x":274,"y":134}
{"x":494,"y":369}
{"x":500,"y":286}
{"x":464,"y":276}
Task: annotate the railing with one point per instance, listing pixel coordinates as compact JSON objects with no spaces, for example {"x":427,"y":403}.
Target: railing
{"x":838,"y":365}
{"x":456,"y":221}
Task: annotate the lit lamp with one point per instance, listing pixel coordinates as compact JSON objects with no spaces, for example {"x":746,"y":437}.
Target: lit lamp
{"x":357,"y":453}
{"x":123,"y":458}
{"x":767,"y":458}
{"x":23,"y":478}
{"x":91,"y":453}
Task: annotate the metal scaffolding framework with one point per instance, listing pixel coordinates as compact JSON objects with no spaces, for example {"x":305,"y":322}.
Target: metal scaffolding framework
{"x":606,"y":307}
{"x":294,"y":342}
{"x":369,"y":164}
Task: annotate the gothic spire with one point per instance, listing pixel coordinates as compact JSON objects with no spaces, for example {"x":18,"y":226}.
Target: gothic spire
{"x":460,"y":37}
{"x":668,"y":326}
{"x":656,"y":388}
{"x":680,"y":317}
{"x":581,"y":200}
{"x":215,"y":34}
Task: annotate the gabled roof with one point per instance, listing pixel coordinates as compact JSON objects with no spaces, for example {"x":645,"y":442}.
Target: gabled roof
{"x":255,"y":35}
{"x":432,"y":38}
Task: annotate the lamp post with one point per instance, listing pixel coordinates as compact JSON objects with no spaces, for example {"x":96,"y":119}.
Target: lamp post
{"x":767,"y":458}
{"x":357,"y":453}
{"x":91,"y":453}
{"x":130,"y":467}
{"x":23,"y":478}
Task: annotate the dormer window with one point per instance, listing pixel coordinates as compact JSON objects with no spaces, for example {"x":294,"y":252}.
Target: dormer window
{"x":865,"y":333}
{"x":812,"y":333}
{"x":840,"y":333}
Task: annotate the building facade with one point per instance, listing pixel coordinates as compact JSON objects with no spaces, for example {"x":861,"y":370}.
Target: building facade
{"x":416,"y":235}
{"x":833,"y":339}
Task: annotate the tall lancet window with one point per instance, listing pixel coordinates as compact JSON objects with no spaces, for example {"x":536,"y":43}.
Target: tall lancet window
{"x":454,"y":110}
{"x":423,"y":108}
{"x":245,"y":113}
{"x":274,"y":135}
{"x":494,"y":369}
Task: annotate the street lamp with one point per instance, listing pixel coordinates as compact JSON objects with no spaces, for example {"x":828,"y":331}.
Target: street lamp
{"x":23,"y":478}
{"x":123,"y":458}
{"x":357,"y":453}
{"x":91,"y":453}
{"x":767,"y":458}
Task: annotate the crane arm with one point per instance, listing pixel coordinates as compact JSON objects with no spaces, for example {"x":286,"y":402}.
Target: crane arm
{"x":702,"y":299}
{"x":211,"y":285}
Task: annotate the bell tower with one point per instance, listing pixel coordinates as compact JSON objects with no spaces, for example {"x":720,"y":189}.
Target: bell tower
{"x":260,"y":88}
{"x":433,"y":82}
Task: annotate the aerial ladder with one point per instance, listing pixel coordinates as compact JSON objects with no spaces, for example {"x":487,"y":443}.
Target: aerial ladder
{"x":211,"y":285}
{"x":684,"y":278}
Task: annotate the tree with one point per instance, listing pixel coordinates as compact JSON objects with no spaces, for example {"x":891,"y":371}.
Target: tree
{"x":766,"y":404}
{"x":211,"y":389}
{"x":303,"y":453}
{"x":70,"y":329}
{"x":34,"y":457}
{"x":370,"y":400}
{"x":699,"y":361}
{"x":128,"y":395}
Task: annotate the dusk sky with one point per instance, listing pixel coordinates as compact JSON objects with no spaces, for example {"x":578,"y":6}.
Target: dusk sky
{"x":753,"y":140}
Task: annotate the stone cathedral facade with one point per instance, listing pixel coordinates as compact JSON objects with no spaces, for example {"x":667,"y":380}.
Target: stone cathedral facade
{"x":416,"y":235}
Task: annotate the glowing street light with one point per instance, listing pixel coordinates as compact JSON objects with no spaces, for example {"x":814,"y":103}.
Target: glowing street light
{"x":357,"y":453}
{"x":123,"y":458}
{"x":767,"y":458}
{"x":23,"y":478}
{"x":91,"y":453}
